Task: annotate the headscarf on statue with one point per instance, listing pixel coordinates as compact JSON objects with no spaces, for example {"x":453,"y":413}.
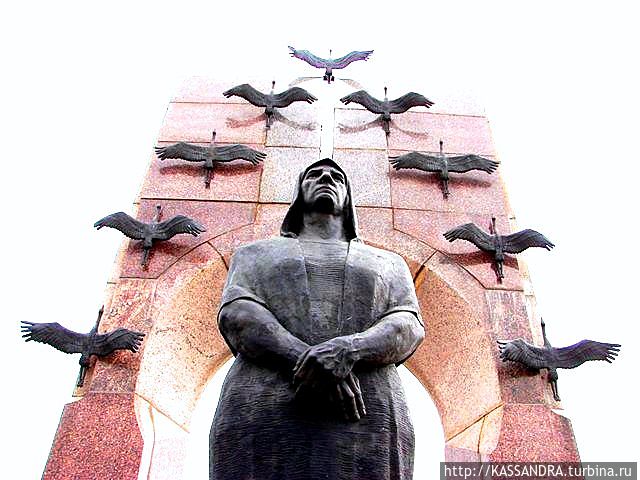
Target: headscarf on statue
{"x":292,"y":222}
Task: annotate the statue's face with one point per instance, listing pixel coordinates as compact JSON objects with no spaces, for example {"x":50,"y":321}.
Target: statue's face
{"x":324,"y":189}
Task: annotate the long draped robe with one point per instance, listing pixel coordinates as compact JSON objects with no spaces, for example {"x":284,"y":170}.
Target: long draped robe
{"x":261,"y":430}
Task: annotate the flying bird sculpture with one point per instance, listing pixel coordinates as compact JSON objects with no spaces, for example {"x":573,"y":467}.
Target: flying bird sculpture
{"x":496,"y":244}
{"x":443,"y":165}
{"x":329,"y":64}
{"x":272,"y":100}
{"x":87,"y":344}
{"x":553,"y":358}
{"x":210,"y":155}
{"x":386,"y":107}
{"x":149,"y":233}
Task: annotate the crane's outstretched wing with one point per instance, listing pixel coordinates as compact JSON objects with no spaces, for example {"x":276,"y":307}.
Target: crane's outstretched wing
{"x":295,"y":94}
{"x":309,"y":57}
{"x":549,"y":357}
{"x":55,"y":335}
{"x":418,"y":160}
{"x":131,"y":227}
{"x":349,"y":58}
{"x":184,"y":151}
{"x":367,"y":101}
{"x":178,"y":224}
{"x":465,"y":163}
{"x":250,"y":94}
{"x":119,"y":339}
{"x":227,"y":153}
{"x":584,"y":351}
{"x":520,"y":241}
{"x":471,"y":233}
{"x":528,"y":355}
{"x":405,"y":102}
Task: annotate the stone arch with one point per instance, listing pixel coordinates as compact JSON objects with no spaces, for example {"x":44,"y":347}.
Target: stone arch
{"x":184,"y":350}
{"x":456,"y":362}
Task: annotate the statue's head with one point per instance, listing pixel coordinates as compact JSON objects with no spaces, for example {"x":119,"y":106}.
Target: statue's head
{"x":322,"y":187}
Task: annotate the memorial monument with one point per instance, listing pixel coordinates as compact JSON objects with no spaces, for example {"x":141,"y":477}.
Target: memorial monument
{"x":132,"y":419}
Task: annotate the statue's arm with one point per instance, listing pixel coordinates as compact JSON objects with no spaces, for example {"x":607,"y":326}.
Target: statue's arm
{"x":255,"y":332}
{"x":392,"y":340}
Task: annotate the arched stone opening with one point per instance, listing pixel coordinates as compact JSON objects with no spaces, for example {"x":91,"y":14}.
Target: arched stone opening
{"x":184,"y":350}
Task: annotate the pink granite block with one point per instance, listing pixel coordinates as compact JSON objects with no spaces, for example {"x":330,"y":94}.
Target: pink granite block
{"x":527,"y":433}
{"x":184,"y":347}
{"x":357,"y":128}
{"x":178,"y":273}
{"x":464,"y":284}
{"x":98,"y":437}
{"x":422,"y":132}
{"x":455,"y":361}
{"x":268,"y":220}
{"x":376,"y":228}
{"x":368,"y":173}
{"x":216,"y":217}
{"x":295,"y":126}
{"x":194,"y":122}
{"x":502,"y":314}
{"x":177,"y":179}
{"x":129,"y":308}
{"x":471,"y":192}
{"x":509,"y":319}
{"x":281,"y":169}
{"x":464,"y":446}
{"x":460,"y":103}
{"x":429,"y":227}
{"x":209,"y":90}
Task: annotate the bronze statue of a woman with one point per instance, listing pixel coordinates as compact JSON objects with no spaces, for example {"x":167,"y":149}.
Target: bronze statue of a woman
{"x":318,"y":322}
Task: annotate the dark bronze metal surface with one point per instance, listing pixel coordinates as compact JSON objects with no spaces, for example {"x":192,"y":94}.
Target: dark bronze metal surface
{"x":386,"y":107}
{"x":87,"y":344}
{"x":155,"y":231}
{"x":210,"y":155}
{"x":551,"y":358}
{"x":443,"y":164}
{"x":272,"y":100}
{"x":496,"y":244}
{"x":318,"y":321}
{"x":329,"y":64}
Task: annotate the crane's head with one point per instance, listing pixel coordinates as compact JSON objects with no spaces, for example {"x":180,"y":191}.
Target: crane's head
{"x":492,"y":226}
{"x":213,"y":136}
{"x":441,"y":144}
{"x":158,"y":213}
{"x":543,"y":325}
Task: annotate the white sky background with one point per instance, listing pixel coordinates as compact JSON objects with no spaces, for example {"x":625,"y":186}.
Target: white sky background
{"x":85,"y":87}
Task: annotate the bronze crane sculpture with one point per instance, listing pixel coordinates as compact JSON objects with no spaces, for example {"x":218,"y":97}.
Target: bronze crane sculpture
{"x":210,"y":155}
{"x":87,"y":344}
{"x":156,"y":231}
{"x":271,"y":100}
{"x":553,"y":358}
{"x":496,"y":244}
{"x":386,"y":107}
{"x":443,"y":165}
{"x":329,"y":64}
